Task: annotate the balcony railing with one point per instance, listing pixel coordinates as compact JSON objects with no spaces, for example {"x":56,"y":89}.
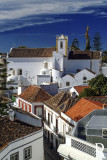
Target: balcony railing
{"x":83,"y":146}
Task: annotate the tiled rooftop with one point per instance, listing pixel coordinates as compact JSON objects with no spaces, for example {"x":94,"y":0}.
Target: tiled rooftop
{"x":5,"y":99}
{"x":80,"y":89}
{"x":84,"y":55}
{"x":12,"y":130}
{"x":31,"y":52}
{"x":35,"y":94}
{"x":60,"y":102}
{"x":82,"y":108}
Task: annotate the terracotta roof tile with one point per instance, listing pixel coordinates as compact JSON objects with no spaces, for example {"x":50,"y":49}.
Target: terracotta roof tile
{"x":84,"y":55}
{"x":31,"y":52}
{"x":82,"y":108}
{"x":35,"y":94}
{"x":80,"y":89}
{"x":12,"y":130}
{"x":60,"y":102}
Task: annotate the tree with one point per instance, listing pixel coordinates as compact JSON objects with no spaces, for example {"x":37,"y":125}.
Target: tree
{"x":75,"y":44}
{"x":97,"y":42}
{"x":98,"y":87}
{"x":87,"y":92}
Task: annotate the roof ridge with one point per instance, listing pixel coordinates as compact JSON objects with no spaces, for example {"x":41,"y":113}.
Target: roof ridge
{"x":96,"y":103}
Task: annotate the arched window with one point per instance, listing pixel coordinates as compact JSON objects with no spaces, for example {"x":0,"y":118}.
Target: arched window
{"x":61,"y":44}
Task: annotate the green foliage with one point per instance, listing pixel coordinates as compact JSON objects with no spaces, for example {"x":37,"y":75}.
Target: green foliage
{"x":97,"y":42}
{"x":98,"y":87}
{"x":104,"y":59}
{"x":87,"y":93}
{"x":75,"y":44}
{"x":105,"y":53}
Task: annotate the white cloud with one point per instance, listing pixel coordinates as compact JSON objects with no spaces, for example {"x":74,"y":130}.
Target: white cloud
{"x":12,"y":10}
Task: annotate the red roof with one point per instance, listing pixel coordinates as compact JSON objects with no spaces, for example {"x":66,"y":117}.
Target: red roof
{"x":83,"y":108}
{"x":35,"y":94}
{"x":80,"y":89}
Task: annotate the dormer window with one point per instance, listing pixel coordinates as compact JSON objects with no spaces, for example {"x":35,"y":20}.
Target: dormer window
{"x":61,"y":45}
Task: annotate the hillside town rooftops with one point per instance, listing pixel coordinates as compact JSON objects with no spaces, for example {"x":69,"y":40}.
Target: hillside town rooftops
{"x":31,"y":52}
{"x":84,"y":55}
{"x":12,"y":130}
{"x":83,"y":108}
{"x":60,"y":102}
{"x":101,"y":99}
{"x":35,"y":94}
{"x":4,"y":99}
{"x":80,"y":89}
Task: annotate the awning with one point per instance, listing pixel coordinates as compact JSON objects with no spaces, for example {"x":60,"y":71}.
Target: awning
{"x":70,"y":152}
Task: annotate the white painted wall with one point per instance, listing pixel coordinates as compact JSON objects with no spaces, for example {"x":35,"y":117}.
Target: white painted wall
{"x":43,"y":78}
{"x":34,"y":140}
{"x":67,"y":78}
{"x":33,"y":66}
{"x":84,"y":73}
{"x":72,"y":65}
{"x":104,"y":71}
{"x":61,"y":124}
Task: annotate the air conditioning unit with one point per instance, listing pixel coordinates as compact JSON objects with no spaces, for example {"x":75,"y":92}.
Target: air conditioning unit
{"x":104,"y":132}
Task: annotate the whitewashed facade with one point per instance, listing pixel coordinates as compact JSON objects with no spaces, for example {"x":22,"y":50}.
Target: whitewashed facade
{"x":34,"y":142}
{"x":58,"y":65}
{"x":56,"y":125}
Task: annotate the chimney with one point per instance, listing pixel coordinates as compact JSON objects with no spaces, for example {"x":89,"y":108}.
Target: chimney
{"x":11,"y":114}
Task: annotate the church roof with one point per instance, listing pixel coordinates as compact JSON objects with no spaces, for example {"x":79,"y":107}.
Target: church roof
{"x":31,"y":52}
{"x":34,"y":94}
{"x":84,"y":55}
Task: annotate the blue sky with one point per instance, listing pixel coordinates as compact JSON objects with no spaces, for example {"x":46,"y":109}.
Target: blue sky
{"x":35,"y":23}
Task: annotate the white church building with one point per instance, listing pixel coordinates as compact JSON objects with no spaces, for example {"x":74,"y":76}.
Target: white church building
{"x":35,"y":66}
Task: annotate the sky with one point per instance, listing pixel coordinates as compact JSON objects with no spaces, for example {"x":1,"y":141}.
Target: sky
{"x":35,"y":23}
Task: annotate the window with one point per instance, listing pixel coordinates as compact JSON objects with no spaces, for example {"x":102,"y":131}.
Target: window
{"x":19,"y":72}
{"x":84,"y":78}
{"x":27,"y":153}
{"x":14,"y":156}
{"x":20,"y":104}
{"x":67,"y":83}
{"x":52,"y":137}
{"x":28,"y":108}
{"x":51,"y":118}
{"x":61,"y":45}
{"x":24,"y":106}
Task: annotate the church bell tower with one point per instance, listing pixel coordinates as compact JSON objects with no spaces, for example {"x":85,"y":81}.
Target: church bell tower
{"x":62,"y":44}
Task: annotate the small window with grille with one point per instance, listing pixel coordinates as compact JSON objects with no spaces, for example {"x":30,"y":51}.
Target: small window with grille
{"x":67,"y":83}
{"x":27,"y":153}
{"x":14,"y":156}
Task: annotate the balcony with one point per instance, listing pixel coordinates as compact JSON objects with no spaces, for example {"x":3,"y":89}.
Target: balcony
{"x":79,"y":149}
